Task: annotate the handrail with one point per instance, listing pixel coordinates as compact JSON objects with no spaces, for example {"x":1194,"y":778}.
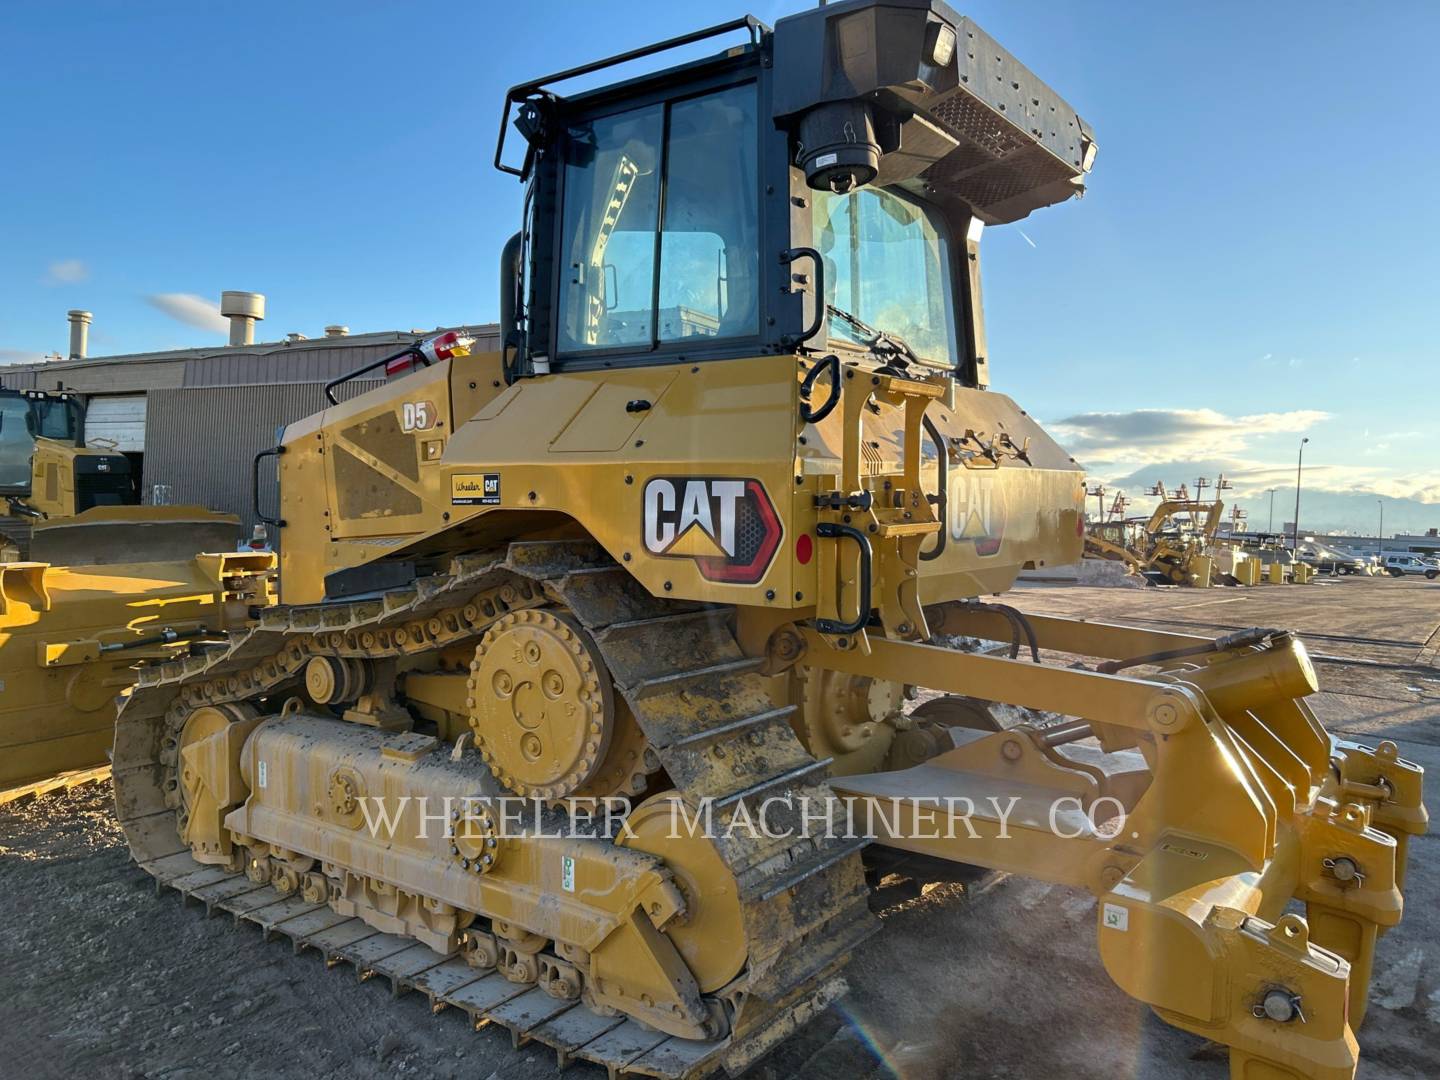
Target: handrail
{"x":788,"y":256}
{"x":807,"y":387}
{"x":521,"y":91}
{"x":828,"y":530}
{"x":409,"y":350}
{"x":274,"y":451}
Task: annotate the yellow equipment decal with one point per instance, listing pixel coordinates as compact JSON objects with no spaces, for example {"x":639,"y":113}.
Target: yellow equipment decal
{"x":475,"y":489}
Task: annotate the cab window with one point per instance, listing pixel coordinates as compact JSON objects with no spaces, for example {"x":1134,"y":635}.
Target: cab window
{"x":659,"y":229}
{"x":17,"y":443}
{"x":887,"y":270}
{"x":57,"y":418}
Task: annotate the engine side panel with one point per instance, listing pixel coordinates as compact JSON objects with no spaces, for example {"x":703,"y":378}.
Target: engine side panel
{"x":701,"y":479}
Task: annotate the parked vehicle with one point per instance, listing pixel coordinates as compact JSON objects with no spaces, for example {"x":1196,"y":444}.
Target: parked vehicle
{"x":1399,"y":564}
{"x":1330,"y":560}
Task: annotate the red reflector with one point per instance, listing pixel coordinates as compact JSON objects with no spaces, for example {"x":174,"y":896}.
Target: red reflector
{"x":395,"y":367}
{"x":804,"y":548}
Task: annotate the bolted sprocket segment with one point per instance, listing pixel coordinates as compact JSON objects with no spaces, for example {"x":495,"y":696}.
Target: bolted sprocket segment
{"x":541,"y":703}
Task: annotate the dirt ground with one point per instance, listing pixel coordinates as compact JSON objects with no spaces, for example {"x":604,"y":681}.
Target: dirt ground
{"x":100,"y":979}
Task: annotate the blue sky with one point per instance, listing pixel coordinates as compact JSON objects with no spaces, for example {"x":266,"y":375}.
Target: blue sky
{"x":1256,"y":259}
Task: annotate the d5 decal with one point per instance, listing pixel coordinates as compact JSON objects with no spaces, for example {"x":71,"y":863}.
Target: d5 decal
{"x":727,"y":525}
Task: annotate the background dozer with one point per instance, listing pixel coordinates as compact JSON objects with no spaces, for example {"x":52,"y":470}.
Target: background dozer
{"x":71,"y":639}
{"x":690,"y":540}
{"x":68,"y":503}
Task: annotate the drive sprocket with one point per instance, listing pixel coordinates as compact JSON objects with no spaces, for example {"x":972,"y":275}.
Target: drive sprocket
{"x":545,"y":715}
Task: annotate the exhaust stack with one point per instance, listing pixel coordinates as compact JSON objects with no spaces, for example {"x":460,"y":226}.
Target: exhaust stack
{"x":79,"y":333}
{"x":336,"y":331}
{"x":244,"y":310}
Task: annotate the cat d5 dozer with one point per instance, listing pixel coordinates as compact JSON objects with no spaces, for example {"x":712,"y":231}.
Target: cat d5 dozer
{"x":68,"y":503}
{"x":686,"y":544}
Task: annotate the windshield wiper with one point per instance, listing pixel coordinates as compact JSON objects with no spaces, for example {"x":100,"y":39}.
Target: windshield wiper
{"x":881,"y":341}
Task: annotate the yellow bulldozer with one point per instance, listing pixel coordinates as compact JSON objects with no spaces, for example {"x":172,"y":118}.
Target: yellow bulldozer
{"x":91,"y":584}
{"x":683,"y":549}
{"x":69,"y":503}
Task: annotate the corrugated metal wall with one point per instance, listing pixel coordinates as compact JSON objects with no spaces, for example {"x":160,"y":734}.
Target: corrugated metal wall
{"x":306,"y":361}
{"x":201,"y":443}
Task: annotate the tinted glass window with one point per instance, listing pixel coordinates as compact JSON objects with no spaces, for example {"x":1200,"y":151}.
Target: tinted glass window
{"x":887,"y":263}
{"x":612,"y":185}
{"x":56,"y":419}
{"x":709,"y":249}
{"x":613,"y":294}
{"x":16,"y":443}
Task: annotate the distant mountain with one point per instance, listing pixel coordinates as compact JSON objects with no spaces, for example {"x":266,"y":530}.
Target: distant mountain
{"x":1336,"y":511}
{"x":1320,"y":510}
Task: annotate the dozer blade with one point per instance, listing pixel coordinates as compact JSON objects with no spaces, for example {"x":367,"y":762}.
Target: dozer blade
{"x":70,"y":640}
{"x":107,"y":535}
{"x":1195,"y":801}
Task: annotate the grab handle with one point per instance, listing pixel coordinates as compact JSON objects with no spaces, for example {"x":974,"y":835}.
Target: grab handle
{"x":830,"y":531}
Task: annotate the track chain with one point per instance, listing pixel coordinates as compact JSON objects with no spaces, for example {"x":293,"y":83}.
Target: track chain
{"x":706,"y":713}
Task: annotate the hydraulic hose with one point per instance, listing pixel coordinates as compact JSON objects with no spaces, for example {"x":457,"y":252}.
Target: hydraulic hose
{"x":1241,"y":639}
{"x":165,"y":637}
{"x":1020,"y":626}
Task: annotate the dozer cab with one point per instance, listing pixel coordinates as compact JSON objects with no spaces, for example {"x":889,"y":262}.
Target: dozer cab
{"x":687,"y":544}
{"x":69,"y":503}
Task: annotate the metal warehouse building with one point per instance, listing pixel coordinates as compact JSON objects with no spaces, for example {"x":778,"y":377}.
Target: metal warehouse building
{"x":192,"y":420}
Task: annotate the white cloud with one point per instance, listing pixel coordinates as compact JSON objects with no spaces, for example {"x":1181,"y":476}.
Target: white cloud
{"x":66,"y":272}
{"x":191,"y":310}
{"x":1146,"y":436}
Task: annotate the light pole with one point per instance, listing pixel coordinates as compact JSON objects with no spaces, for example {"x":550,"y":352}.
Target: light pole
{"x":1382,"y":528}
{"x":1299,"y":465}
{"x":1271,"y":527}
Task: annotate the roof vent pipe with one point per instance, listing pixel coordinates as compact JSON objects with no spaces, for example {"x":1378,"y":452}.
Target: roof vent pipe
{"x":244,"y":310}
{"x":79,"y":333}
{"x":336,"y":331}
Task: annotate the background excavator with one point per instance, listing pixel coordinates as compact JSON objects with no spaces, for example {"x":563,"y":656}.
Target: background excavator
{"x":692,"y":539}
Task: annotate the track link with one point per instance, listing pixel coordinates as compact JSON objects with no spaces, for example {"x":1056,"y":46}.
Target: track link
{"x":706,"y":713}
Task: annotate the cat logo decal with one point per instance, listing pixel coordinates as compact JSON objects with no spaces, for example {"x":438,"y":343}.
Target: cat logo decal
{"x":727,"y":525}
{"x":976,"y":509}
